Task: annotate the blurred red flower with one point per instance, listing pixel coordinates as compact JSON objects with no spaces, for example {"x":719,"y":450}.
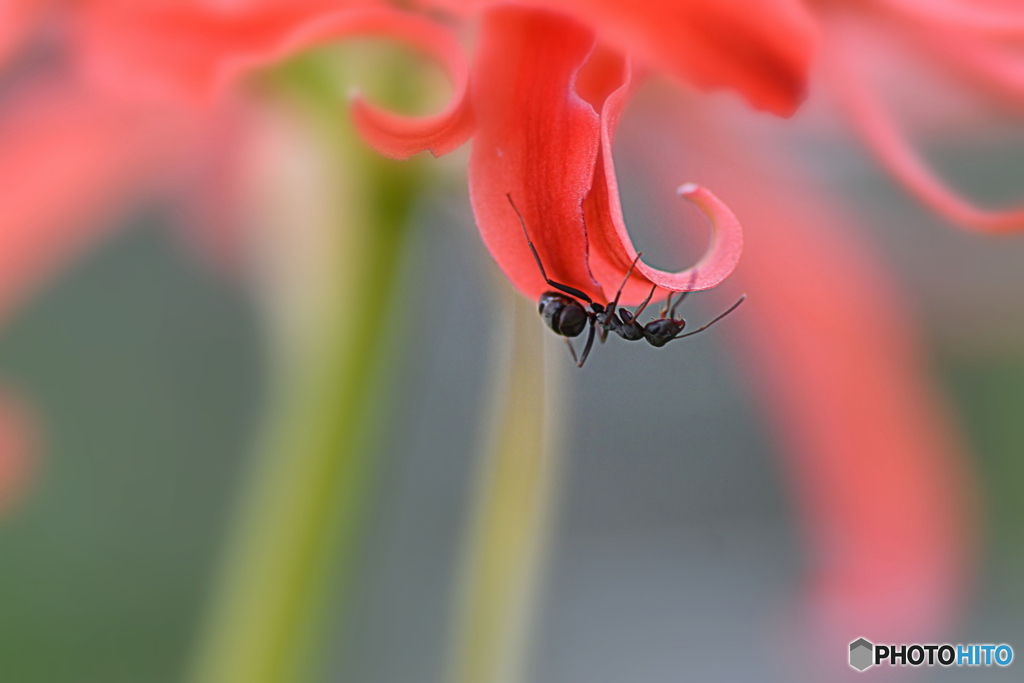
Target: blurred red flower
{"x":980,"y":43}
{"x":137,"y":91}
{"x":877,"y":471}
{"x":110,"y":101}
{"x":549,"y":82}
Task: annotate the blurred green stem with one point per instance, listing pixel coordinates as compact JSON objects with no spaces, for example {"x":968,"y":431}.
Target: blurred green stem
{"x":296,"y":534}
{"x":516,"y":495}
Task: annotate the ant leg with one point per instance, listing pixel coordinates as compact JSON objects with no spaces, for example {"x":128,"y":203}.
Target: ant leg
{"x":668,"y":302}
{"x":672,"y":314}
{"x":590,"y":343}
{"x":572,"y":352}
{"x":636,"y":314}
{"x":557,"y":285}
{"x":615,"y":301}
{"x":727,"y":312}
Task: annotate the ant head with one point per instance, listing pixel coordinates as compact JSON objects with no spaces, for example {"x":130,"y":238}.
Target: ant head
{"x":563,"y":314}
{"x":663,"y":330}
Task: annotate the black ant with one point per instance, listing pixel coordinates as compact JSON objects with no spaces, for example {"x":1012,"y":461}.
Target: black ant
{"x":567,"y":317}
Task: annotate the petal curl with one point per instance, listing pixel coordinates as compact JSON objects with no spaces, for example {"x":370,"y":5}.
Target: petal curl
{"x":536,"y":140}
{"x":612,"y":250}
{"x":890,"y":146}
{"x":761,"y":48}
{"x":399,"y":137}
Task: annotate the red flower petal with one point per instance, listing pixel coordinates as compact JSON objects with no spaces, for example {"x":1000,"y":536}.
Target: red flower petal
{"x":612,"y":251}
{"x":892,"y":149}
{"x":877,"y":472}
{"x":16,"y":22}
{"x":537,"y":141}
{"x":400,"y":137}
{"x":762,"y":48}
{"x":995,"y":67}
{"x":195,"y":51}
{"x":970,"y":16}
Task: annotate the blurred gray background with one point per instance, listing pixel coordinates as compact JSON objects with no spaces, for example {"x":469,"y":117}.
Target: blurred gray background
{"x":675,"y":546}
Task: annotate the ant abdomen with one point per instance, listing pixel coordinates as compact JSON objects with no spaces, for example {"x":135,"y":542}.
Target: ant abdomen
{"x":563,"y":314}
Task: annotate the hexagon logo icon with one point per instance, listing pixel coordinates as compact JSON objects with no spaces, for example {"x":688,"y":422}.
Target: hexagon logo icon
{"x":861,"y":651}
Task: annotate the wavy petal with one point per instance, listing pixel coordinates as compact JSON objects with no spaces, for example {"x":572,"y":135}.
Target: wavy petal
{"x":762,"y":48}
{"x":400,"y":137}
{"x":537,"y":140}
{"x":891,"y":147}
{"x":612,"y":250}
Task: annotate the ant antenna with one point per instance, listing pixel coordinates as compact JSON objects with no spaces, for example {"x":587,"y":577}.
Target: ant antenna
{"x":557,"y":285}
{"x":727,"y":312}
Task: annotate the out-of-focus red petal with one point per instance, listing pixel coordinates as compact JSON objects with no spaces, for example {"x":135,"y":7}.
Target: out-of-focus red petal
{"x":997,"y":68}
{"x":878,"y":473}
{"x":68,"y":161}
{"x":189,"y":47}
{"x":611,"y":249}
{"x":993,"y":19}
{"x":762,"y":48}
{"x":194,"y":50}
{"x":18,"y":450}
{"x":899,"y":158}
{"x":537,"y":141}
{"x":17,"y":19}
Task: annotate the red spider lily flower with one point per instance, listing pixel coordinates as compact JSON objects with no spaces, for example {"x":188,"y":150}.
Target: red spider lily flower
{"x":549,"y":82}
{"x":543,"y":106}
{"x":889,"y":553}
{"x":982,"y":43}
{"x":140,"y":89}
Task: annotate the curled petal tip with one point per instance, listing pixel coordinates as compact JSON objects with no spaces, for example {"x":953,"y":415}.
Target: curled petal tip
{"x":687,"y":189}
{"x":399,"y":136}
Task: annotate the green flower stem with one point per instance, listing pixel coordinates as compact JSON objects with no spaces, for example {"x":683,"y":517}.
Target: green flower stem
{"x":517,"y":487}
{"x":297,"y":532}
